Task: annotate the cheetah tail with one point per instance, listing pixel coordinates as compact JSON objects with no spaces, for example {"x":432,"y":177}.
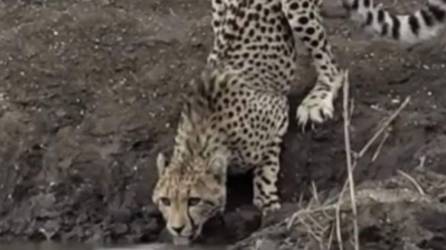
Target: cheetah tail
{"x":410,"y":29}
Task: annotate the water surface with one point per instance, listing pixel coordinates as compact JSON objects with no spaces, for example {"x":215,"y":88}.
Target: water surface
{"x":56,"y":246}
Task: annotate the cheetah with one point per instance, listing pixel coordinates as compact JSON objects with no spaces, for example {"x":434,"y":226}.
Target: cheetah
{"x":238,"y":113}
{"x":409,"y":30}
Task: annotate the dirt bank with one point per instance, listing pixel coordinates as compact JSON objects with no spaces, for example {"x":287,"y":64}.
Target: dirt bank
{"x":402,"y":212}
{"x":89,"y":93}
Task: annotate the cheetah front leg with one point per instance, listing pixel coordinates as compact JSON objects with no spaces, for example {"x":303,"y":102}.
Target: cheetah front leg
{"x":306,"y":24}
{"x":266,"y":195}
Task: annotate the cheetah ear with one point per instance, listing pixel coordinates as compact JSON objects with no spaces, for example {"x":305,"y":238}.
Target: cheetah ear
{"x":219,"y":165}
{"x":188,"y":116}
{"x":161,"y":163}
{"x":188,"y":123}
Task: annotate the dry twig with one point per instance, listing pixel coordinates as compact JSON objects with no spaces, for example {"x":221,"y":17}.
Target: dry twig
{"x":380,"y":145}
{"x":325,"y":209}
{"x":348,"y":153}
{"x":422,"y":162}
{"x":383,"y":127}
{"x":314,"y":191}
{"x":413,"y":181}
{"x":338,"y":226}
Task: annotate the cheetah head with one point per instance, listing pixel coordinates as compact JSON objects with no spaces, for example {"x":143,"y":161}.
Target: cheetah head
{"x":191,"y":188}
{"x":188,"y":200}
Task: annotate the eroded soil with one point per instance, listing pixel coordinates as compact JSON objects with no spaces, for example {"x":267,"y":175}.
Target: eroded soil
{"x":90,"y":91}
{"x":401,"y":212}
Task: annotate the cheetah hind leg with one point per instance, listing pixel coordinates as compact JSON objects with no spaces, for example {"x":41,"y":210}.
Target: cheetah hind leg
{"x":317,"y":106}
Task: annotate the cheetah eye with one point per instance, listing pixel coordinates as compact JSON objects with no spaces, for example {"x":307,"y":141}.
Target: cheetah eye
{"x":165,"y":201}
{"x":193,"y":201}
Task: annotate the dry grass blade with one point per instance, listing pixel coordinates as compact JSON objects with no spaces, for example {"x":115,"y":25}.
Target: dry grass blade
{"x":338,"y":226}
{"x":383,"y":127}
{"x":309,"y":210}
{"x":325,"y":210}
{"x":310,"y":230}
{"x":316,"y":223}
{"x":330,"y":238}
{"x":413,"y":181}
{"x":422,"y":162}
{"x":348,"y":153}
{"x":362,"y":152}
{"x":381,"y":144}
{"x":314,"y":191}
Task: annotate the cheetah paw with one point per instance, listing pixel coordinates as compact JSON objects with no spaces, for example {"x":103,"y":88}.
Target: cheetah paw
{"x":315,"y":108}
{"x":271,"y":209}
{"x":267,"y":208}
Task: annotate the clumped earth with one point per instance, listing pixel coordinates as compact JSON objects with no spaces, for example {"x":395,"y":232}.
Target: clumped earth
{"x":402,"y":212}
{"x":90,"y":93}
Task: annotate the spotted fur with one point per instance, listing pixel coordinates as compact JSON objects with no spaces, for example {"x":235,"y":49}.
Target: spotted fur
{"x":411,"y":29}
{"x":238,"y":114}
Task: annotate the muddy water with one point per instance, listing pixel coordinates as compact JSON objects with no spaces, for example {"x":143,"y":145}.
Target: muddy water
{"x":161,"y":246}
{"x":55,"y":246}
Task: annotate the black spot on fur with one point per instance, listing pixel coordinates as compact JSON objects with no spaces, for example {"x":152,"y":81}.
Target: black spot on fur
{"x":303,"y":20}
{"x":294,"y":6}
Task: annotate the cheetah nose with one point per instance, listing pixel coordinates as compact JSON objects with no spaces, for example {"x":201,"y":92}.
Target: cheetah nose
{"x":178,"y":229}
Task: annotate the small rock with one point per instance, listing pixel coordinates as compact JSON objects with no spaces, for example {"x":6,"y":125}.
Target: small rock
{"x":265,"y":244}
{"x":151,"y":211}
{"x":121,"y":215}
{"x":242,"y":222}
{"x":120,"y":228}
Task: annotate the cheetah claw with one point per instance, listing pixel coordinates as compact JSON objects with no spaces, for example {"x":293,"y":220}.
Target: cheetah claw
{"x":315,"y":110}
{"x":312,"y":127}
